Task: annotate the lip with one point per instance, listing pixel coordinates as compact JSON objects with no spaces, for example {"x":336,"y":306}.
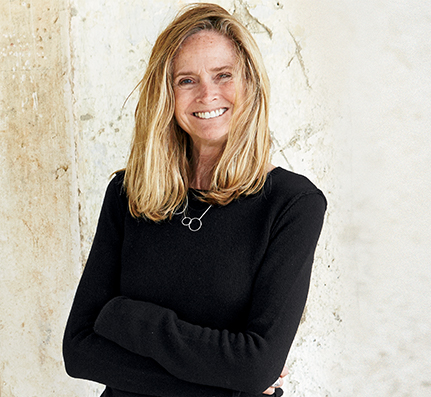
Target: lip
{"x":210,"y":114}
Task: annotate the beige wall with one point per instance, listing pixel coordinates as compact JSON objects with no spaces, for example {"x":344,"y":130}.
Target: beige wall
{"x":39,"y":237}
{"x":350,"y":109}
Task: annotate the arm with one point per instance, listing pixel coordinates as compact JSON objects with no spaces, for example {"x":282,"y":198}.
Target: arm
{"x":90,"y":356}
{"x":249,"y":361}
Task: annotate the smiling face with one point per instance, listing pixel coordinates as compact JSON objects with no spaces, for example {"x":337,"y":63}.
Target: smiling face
{"x":204,"y":76}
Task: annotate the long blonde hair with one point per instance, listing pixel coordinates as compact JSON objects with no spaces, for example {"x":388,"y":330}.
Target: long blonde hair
{"x":158,"y":171}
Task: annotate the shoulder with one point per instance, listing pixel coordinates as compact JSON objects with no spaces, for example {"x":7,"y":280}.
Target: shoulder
{"x":288,"y":185}
{"x":115,"y":192}
{"x":118,"y":177}
{"x":116,"y":185}
{"x":290,"y":196}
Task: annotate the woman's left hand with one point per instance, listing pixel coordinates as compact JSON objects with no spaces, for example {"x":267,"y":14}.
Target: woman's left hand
{"x":271,"y":390}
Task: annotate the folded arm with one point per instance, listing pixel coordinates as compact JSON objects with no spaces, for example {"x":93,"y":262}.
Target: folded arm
{"x":248,"y":361}
{"x":91,"y":356}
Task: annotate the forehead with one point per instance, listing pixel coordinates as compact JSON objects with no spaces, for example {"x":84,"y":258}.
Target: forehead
{"x":207,"y":36}
{"x":206,"y":46}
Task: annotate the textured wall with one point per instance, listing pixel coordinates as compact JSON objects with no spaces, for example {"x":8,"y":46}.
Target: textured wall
{"x":350,"y":109}
{"x":39,"y":225}
{"x":386,"y":246}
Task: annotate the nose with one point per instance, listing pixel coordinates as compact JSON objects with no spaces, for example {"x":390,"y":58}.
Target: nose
{"x":208,"y":92}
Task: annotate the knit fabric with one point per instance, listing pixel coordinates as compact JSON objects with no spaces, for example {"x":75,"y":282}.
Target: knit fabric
{"x":164,"y":311}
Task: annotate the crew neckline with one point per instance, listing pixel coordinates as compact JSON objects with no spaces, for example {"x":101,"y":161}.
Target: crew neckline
{"x":200,"y":191}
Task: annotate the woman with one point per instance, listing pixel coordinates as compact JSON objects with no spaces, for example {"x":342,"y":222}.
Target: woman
{"x":200,"y":266}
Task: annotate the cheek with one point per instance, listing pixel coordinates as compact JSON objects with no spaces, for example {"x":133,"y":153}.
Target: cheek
{"x":178,"y":106}
{"x":181,"y":102}
{"x":180,"y":112}
{"x":231,"y":93}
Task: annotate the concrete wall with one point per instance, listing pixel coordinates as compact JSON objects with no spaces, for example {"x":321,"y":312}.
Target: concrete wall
{"x":350,"y":109}
{"x":39,"y":240}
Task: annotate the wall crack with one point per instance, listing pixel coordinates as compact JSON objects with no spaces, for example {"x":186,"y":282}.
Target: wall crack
{"x":241,"y":11}
{"x":300,"y":59}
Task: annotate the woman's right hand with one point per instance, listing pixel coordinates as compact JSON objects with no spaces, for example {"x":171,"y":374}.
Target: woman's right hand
{"x":271,"y":390}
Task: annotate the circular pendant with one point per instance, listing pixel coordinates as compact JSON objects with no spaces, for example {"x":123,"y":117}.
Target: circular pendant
{"x":194,"y":224}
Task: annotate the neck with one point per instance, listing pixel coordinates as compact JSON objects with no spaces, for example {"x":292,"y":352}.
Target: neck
{"x":203,"y":161}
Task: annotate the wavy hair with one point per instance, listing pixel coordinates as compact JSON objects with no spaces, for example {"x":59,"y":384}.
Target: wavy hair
{"x":158,"y":171}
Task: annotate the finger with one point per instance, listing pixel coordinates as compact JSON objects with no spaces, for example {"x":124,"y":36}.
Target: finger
{"x":284,"y":372}
{"x":270,"y":391}
{"x":278,"y":383}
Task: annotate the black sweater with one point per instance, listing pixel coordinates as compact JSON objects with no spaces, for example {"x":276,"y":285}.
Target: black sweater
{"x":165,"y":311}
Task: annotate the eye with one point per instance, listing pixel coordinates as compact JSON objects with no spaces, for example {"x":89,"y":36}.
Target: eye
{"x":224,"y":76}
{"x":185,"y":81}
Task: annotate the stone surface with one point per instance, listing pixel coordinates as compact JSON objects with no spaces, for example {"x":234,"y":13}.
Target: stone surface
{"x":349,"y":109}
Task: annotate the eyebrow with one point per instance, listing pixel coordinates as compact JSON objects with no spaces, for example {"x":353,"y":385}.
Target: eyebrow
{"x":217,"y":69}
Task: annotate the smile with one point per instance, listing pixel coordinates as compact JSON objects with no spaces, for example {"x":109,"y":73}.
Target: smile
{"x":210,"y":115}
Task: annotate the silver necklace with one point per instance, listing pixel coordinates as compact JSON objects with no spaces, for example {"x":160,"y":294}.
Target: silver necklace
{"x":194,"y":224}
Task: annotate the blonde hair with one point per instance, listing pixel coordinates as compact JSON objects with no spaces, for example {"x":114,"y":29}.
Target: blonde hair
{"x":158,"y":171}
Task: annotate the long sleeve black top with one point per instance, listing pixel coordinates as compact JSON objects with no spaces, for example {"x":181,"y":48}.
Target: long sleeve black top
{"x":164,"y":311}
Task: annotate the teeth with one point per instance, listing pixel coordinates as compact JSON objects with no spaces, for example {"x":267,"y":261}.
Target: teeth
{"x":210,"y":115}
